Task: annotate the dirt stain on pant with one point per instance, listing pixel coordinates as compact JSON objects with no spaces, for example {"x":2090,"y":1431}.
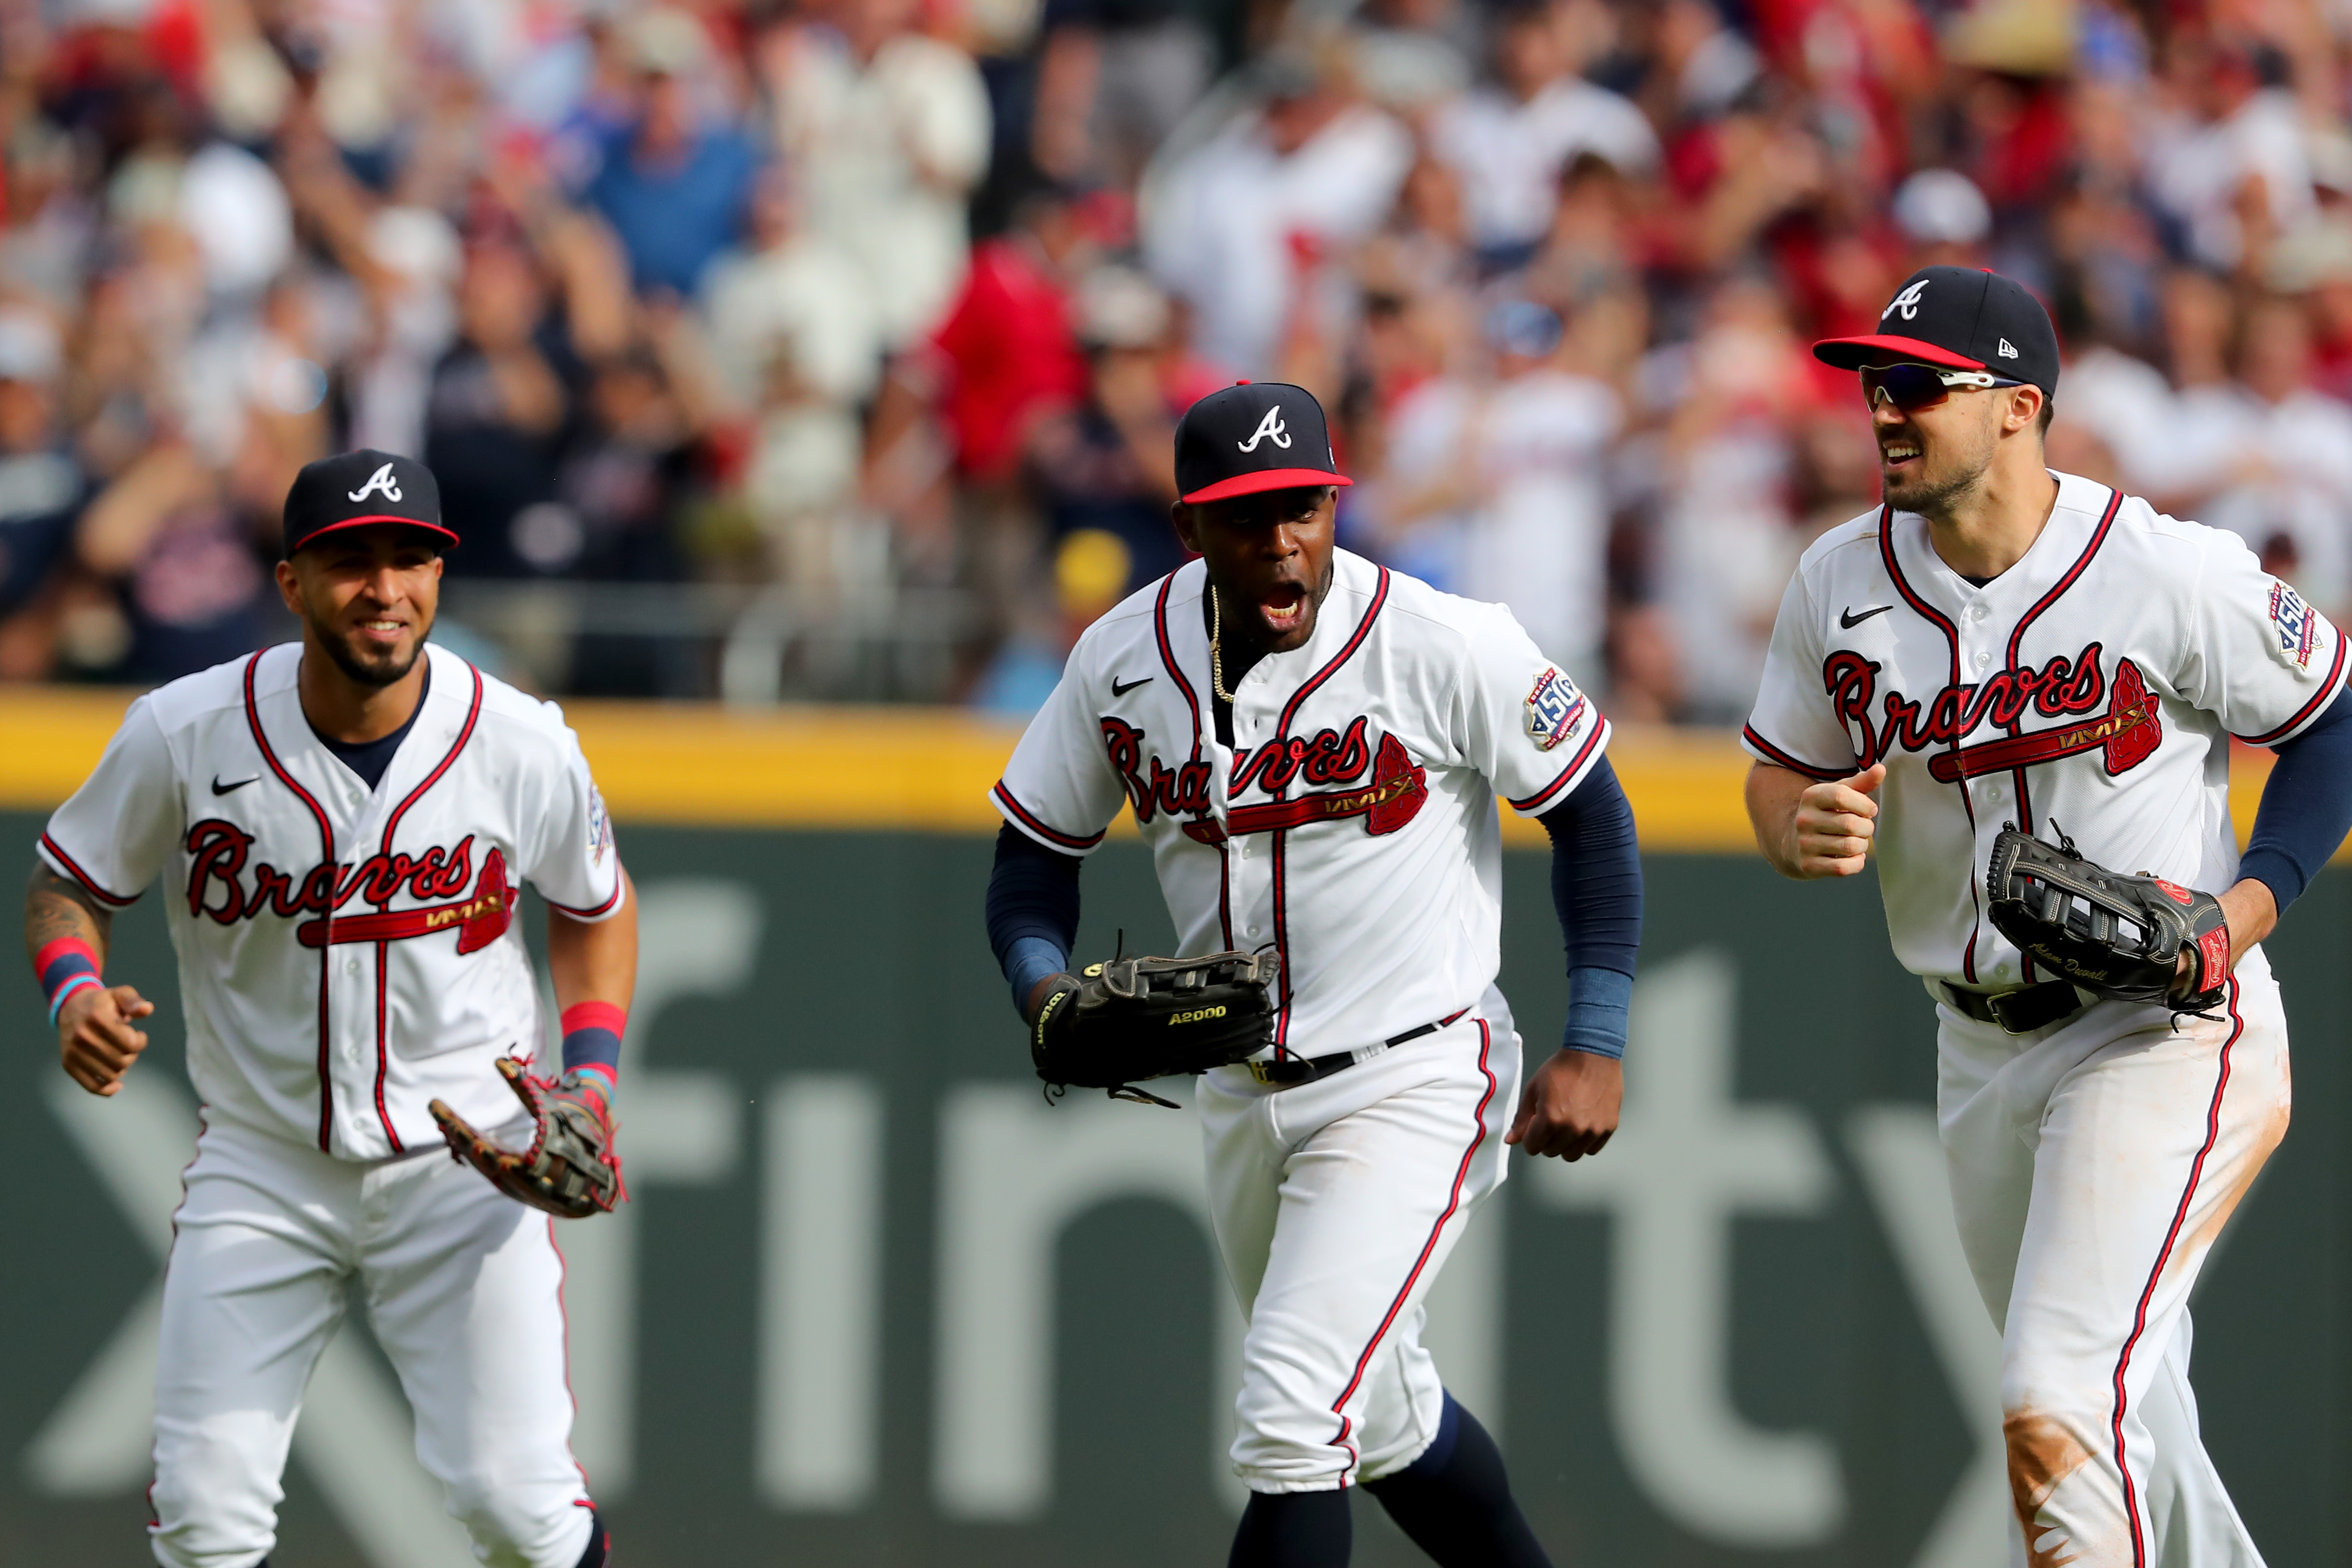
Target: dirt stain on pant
{"x":2041,"y":1453}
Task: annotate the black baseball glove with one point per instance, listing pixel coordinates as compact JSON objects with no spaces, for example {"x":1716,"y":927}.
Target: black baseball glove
{"x":2114,"y":935}
{"x":1136,"y":1018}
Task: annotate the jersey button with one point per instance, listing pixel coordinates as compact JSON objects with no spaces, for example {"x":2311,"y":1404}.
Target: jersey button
{"x":1983,"y":660}
{"x":351,"y":966}
{"x":1979,"y":613}
{"x":1251,"y":931}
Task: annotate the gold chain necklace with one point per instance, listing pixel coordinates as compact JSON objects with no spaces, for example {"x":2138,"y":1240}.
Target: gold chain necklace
{"x":1217,"y":655}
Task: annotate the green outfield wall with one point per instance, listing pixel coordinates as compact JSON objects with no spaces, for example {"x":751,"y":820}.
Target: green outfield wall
{"x":874,"y":1302}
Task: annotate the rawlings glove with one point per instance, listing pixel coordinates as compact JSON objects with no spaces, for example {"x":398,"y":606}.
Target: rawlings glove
{"x":569,"y":1169}
{"x":1151,"y":1017}
{"x":2114,"y":935}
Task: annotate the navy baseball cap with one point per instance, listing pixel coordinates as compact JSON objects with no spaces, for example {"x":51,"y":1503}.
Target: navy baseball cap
{"x":353,"y":489}
{"x":1961,"y":318}
{"x":1250,"y":437}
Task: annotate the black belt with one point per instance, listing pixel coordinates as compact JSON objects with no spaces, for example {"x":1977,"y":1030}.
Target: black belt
{"x":2018,"y":1012}
{"x":1296,"y":1070}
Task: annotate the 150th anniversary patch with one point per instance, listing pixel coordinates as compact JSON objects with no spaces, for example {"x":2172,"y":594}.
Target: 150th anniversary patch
{"x":1554,"y":709}
{"x":2297,"y":624}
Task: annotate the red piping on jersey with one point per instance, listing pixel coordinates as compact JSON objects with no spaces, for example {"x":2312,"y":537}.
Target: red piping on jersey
{"x":1281,"y":731}
{"x":327,"y":854}
{"x":1952,"y":639}
{"x":1583,"y":755}
{"x":384,"y":949}
{"x":1193,"y":701}
{"x":382,"y":986}
{"x":83,"y":877}
{"x":2017,"y":636}
{"x":2180,"y":1218}
{"x":1453,"y":1201}
{"x":598,"y":911}
{"x":2327,"y":688}
{"x":1782,"y":759}
{"x":1004,"y":797}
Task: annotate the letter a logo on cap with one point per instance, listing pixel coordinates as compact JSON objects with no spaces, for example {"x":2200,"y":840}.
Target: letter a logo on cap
{"x":1906,"y":302}
{"x":381,"y":479}
{"x":1270,"y":428}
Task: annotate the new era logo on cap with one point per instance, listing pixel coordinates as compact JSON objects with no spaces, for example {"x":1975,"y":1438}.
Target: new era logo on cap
{"x":1251,"y":436}
{"x":1961,"y":318}
{"x":353,"y":489}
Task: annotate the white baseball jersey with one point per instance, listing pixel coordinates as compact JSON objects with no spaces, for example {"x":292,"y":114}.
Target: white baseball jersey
{"x":1351,"y":824}
{"x":346,"y":954}
{"x":2092,"y":687}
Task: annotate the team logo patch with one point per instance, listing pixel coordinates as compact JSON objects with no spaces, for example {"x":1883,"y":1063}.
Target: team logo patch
{"x":1906,"y":302}
{"x":1555,"y":707}
{"x":2297,"y":624}
{"x":600,"y":826}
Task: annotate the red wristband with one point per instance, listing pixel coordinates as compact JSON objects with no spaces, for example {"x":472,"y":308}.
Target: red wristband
{"x":596,"y":1015}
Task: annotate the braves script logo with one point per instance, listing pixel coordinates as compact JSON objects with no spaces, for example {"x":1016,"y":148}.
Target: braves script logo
{"x":1270,"y":428}
{"x":1392,"y":796}
{"x":2125,"y":733}
{"x":381,"y":479}
{"x":219,"y":890}
{"x":1906,"y":302}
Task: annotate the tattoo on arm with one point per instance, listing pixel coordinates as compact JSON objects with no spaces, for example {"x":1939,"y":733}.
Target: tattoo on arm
{"x":54,"y":906}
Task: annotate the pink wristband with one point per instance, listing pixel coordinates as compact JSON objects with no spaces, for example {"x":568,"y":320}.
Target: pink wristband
{"x":594,"y":1015}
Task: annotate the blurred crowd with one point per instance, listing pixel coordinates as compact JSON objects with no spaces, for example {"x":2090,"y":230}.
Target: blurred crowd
{"x":821,"y":303}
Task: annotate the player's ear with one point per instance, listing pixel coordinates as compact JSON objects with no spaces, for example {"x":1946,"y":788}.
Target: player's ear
{"x":290,"y":584}
{"x":1187,"y":528}
{"x":2024,"y":408}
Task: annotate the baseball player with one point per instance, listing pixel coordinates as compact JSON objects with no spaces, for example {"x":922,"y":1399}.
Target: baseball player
{"x":1313,"y":746}
{"x":343,"y":825}
{"x":2000,"y":650}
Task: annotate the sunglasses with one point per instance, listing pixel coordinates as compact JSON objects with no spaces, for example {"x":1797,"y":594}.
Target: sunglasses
{"x":1911,"y":387}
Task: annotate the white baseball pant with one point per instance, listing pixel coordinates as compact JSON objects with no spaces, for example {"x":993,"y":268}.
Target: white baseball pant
{"x":1336,"y":1203}
{"x":2091,"y":1168}
{"x":463,"y":1290}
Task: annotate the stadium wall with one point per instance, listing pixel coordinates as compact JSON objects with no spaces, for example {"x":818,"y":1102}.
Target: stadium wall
{"x":876,"y":1303}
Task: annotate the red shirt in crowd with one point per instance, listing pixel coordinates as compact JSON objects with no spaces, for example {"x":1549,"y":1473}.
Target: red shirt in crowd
{"x":1010,"y":355}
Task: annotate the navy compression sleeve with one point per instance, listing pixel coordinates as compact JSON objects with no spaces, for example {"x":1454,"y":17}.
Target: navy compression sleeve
{"x":1596,"y":886}
{"x":2306,"y":806}
{"x":1032,"y":911}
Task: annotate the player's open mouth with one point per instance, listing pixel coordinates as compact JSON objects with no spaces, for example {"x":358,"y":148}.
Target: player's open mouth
{"x":382,"y":630}
{"x":1285,"y":608}
{"x":1893,"y":454}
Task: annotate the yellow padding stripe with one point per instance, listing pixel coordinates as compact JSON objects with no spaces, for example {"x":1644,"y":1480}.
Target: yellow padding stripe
{"x":880,"y":768}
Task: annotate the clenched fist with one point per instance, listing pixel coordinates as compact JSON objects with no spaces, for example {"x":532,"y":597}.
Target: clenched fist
{"x":96,"y":1041}
{"x":1819,"y":829}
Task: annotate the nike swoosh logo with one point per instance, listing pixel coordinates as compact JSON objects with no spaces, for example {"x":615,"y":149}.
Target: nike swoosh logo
{"x":1119,"y":691}
{"x":1848,"y":620}
{"x":220,"y":788}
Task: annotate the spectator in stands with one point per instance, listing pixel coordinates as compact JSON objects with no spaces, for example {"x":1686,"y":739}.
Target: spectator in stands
{"x":1249,"y":221}
{"x":887,"y":129}
{"x":674,"y":188}
{"x":1509,"y":142}
{"x":2277,"y":467}
{"x":795,"y":339}
{"x":1502,"y":488}
{"x":42,"y":490}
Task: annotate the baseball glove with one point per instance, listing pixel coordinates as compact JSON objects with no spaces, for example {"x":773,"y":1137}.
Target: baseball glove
{"x":2114,"y":935}
{"x":1136,"y":1018}
{"x":569,"y":1169}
